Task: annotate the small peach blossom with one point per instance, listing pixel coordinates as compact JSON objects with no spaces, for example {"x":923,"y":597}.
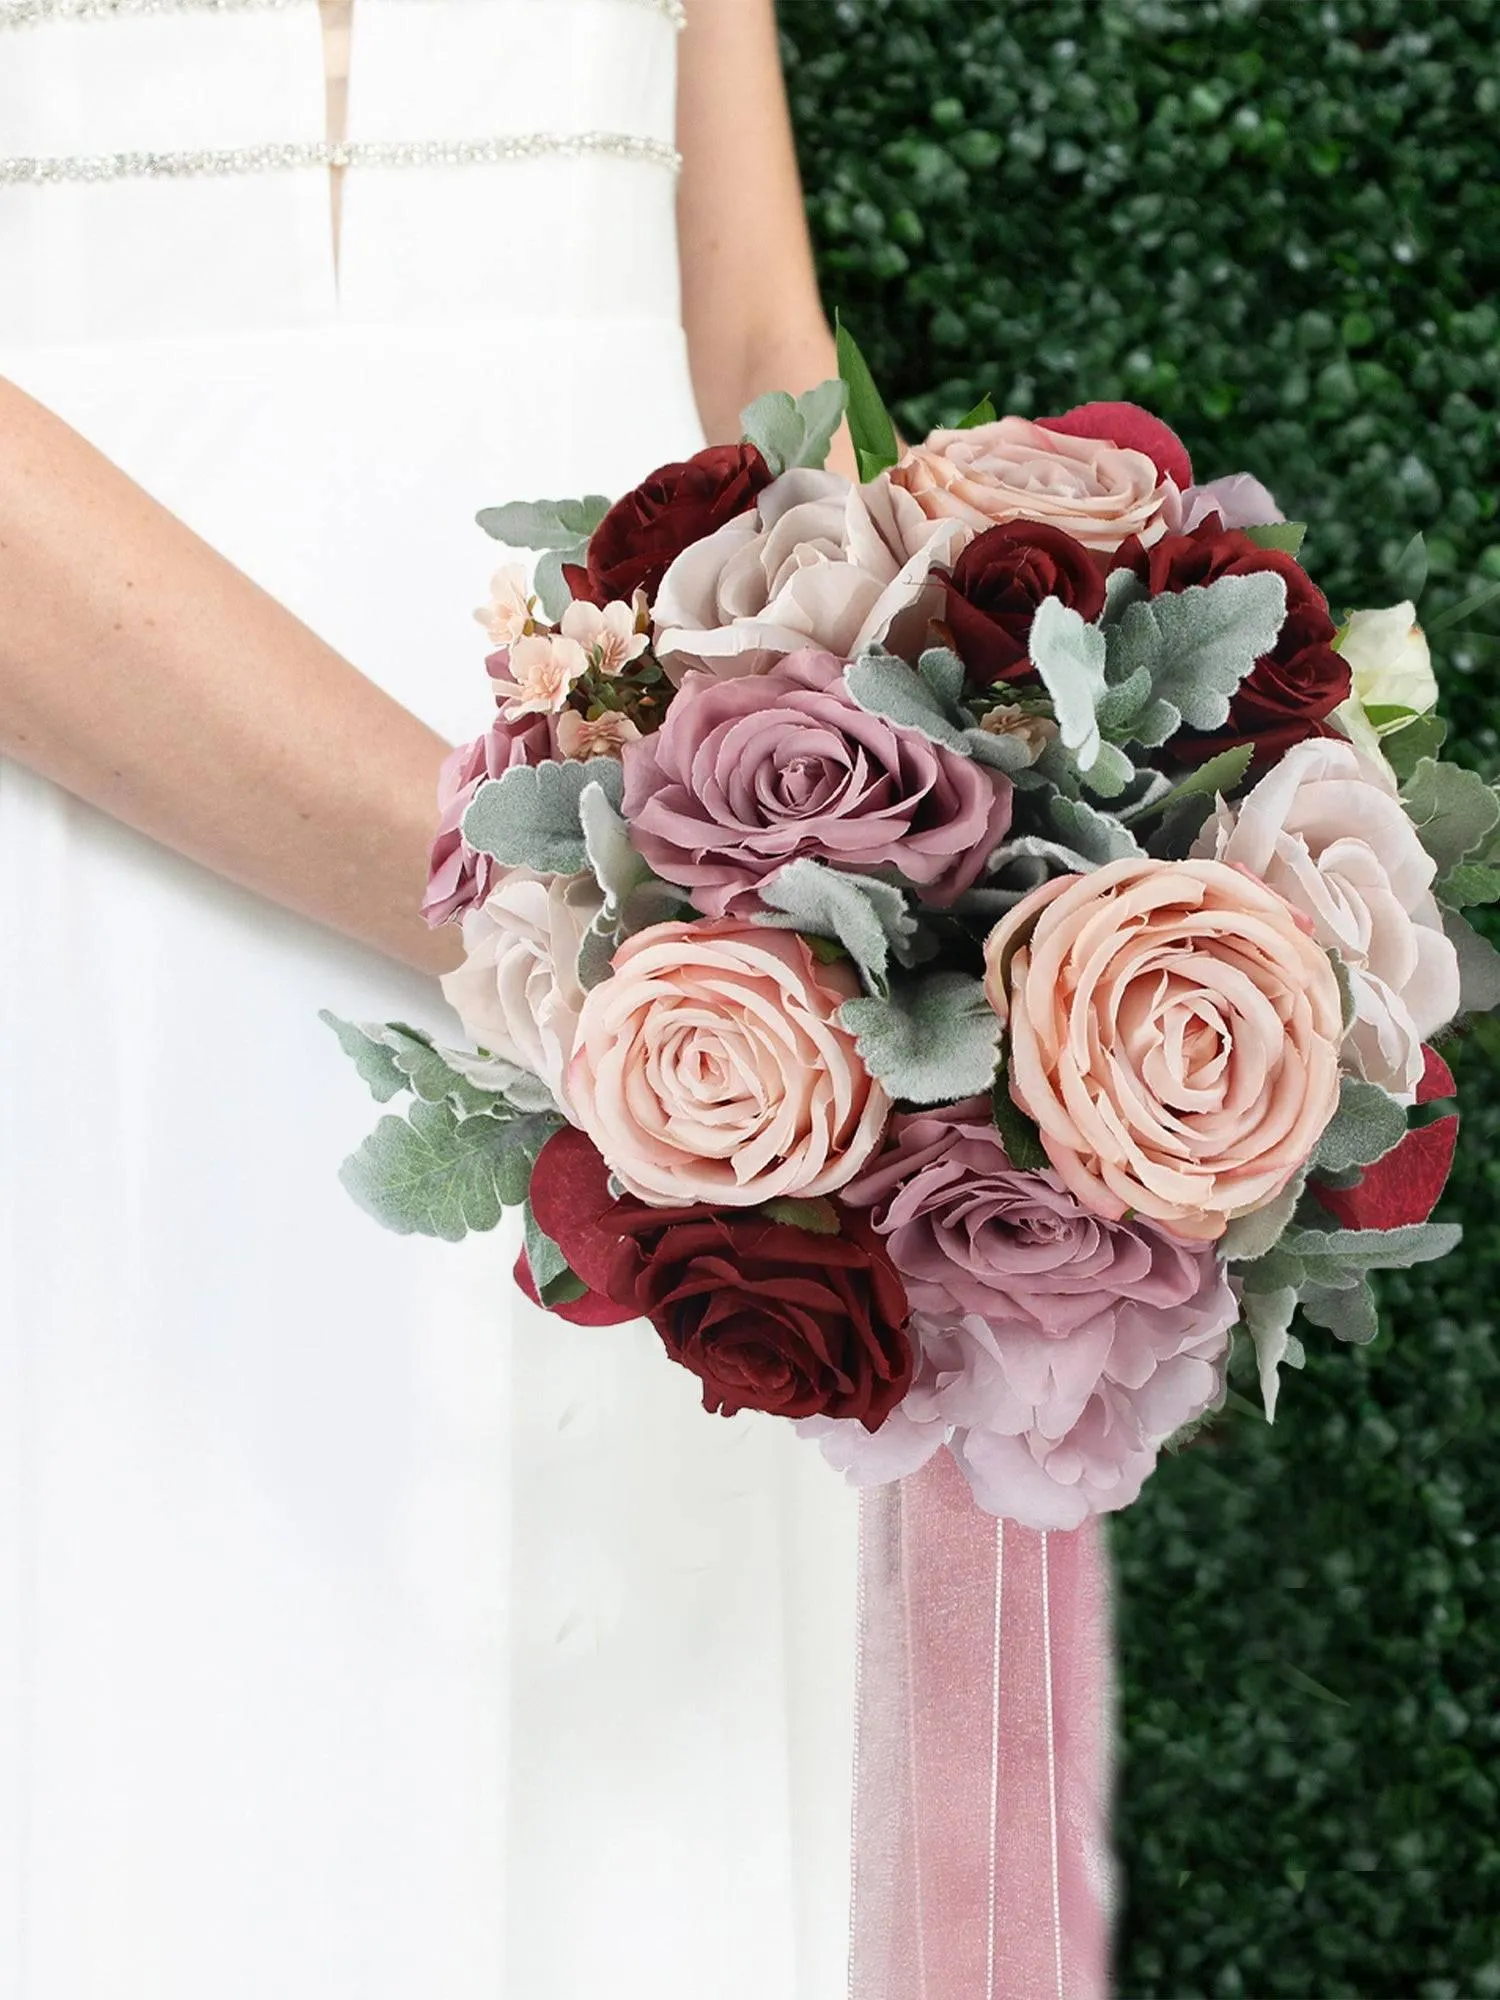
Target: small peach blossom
{"x":543,"y":667}
{"x":1035,"y":731}
{"x":584,"y":736}
{"x":511,"y":611}
{"x":609,"y":637}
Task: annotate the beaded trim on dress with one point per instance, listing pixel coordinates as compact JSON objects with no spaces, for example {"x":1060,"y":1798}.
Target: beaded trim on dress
{"x":22,"y":13}
{"x":321,"y":153}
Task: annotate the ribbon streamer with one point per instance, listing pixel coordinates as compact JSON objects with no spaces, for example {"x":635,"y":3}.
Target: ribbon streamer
{"x":982,"y":1863}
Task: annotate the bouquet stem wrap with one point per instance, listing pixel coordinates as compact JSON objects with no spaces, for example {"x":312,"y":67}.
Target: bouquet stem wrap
{"x":982,"y":1866}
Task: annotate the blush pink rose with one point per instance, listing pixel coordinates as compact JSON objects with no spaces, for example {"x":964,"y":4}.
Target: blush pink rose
{"x":458,"y":875}
{"x":818,"y":562}
{"x":1014,"y":470}
{"x":517,"y":991}
{"x":1325,"y":830}
{"x":711,"y":1067}
{"x":747,"y":775}
{"x":1174,"y":1031}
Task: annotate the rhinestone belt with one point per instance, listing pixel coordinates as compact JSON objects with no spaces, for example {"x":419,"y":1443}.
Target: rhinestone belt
{"x":23,"y":13}
{"x":322,"y":153}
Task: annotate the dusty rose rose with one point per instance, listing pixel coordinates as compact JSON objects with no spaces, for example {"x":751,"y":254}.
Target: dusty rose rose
{"x":818,"y":562}
{"x":459,"y":876}
{"x":1239,"y":500}
{"x":1325,"y":831}
{"x":539,"y":675}
{"x":1174,"y":1032}
{"x":517,"y":991}
{"x":747,"y":775}
{"x":509,"y":613}
{"x":603,"y":735}
{"x":711,"y":1067}
{"x":1014,"y":470}
{"x":607,"y":634}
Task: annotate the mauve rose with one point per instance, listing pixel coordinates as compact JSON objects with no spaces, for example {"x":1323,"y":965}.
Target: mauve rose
{"x":1174,"y":1032}
{"x":711,"y":1067}
{"x":459,"y":876}
{"x":517,"y":991}
{"x":768,"y":1316}
{"x":638,"y":539}
{"x":996,"y":586}
{"x":1288,"y":694}
{"x":1238,"y":499}
{"x":1326,"y":832}
{"x":1014,"y":470}
{"x":747,"y":775}
{"x":820,"y":562}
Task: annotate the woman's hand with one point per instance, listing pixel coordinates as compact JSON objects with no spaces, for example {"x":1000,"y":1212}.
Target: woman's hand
{"x":750,"y":299}
{"x":145,"y":674}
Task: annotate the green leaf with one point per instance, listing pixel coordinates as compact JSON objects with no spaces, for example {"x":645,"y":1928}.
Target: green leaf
{"x":542,"y":1254}
{"x":529,"y":816}
{"x":870,"y":427}
{"x":436,"y":1173}
{"x":1452,"y":809}
{"x":1069,"y":654}
{"x":1018,"y":1133}
{"x":549,"y":583}
{"x":1338,"y":1257}
{"x":1212,"y":779}
{"x":371,"y":1057}
{"x":1347,"y":1312}
{"x":1255,"y":1235}
{"x":817,"y":1216}
{"x":1268,"y":1320}
{"x":1453,"y":618}
{"x":634,"y":896}
{"x":983,"y":412}
{"x":1287,"y":536}
{"x":943,"y":672}
{"x":1478,"y":965}
{"x":1405,"y":748}
{"x":869,"y":918}
{"x":1097,"y":836}
{"x":933,"y":1041}
{"x":1200,"y":643}
{"x":563,"y":525}
{"x":1363,"y":1130}
{"x":791,"y":431}
{"x":883,"y":685}
{"x":1468,"y":884}
{"x":1409,"y":577}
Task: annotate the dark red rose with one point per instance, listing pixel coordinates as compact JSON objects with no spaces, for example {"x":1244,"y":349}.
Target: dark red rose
{"x":642,"y":535}
{"x":997,"y":584}
{"x":769,"y":1316}
{"x":1129,"y":428}
{"x":1291,"y":691}
{"x":1405,"y":1185}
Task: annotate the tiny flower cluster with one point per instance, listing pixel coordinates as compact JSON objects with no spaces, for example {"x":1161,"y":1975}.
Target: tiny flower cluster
{"x":959,"y":952}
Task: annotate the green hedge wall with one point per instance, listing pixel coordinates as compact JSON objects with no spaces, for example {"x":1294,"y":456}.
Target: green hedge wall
{"x":1277,"y":222}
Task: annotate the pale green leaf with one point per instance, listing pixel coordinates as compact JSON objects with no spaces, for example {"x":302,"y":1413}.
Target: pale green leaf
{"x":1268,"y":1320}
{"x":932,"y":1042}
{"x":1451,"y":807}
{"x":1470,"y":883}
{"x":1097,"y":836}
{"x":1367,"y":1124}
{"x":435,"y":1173}
{"x":1348,"y":1312}
{"x":1069,"y":654}
{"x":1249,"y":1237}
{"x":883,"y":685}
{"x":870,"y":919}
{"x":1200,"y":643}
{"x":563,"y":525}
{"x":1478,"y":965}
{"x":370,"y":1056}
{"x":870,"y":427}
{"x":1405,"y":748}
{"x":529,"y":817}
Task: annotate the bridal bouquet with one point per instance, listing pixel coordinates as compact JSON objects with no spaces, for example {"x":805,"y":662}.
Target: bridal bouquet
{"x":958,"y":952}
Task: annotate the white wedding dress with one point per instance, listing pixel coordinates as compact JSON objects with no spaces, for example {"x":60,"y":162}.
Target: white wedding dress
{"x":364,"y":1635}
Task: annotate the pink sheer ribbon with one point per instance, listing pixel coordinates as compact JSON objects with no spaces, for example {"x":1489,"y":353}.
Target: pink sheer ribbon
{"x":982,"y":1864}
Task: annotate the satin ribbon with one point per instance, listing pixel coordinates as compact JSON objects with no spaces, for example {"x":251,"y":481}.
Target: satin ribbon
{"x":982,"y":1864}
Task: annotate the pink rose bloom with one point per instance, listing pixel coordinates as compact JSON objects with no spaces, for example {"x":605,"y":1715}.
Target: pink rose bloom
{"x":1015,"y":470}
{"x":517,"y":991}
{"x":818,"y":562}
{"x":1325,"y":830}
{"x":747,"y":775}
{"x":458,"y":876}
{"x":1174,"y":1032}
{"x":711,"y":1067}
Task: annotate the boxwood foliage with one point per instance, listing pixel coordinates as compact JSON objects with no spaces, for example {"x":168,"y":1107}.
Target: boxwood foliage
{"x":1277,"y":223}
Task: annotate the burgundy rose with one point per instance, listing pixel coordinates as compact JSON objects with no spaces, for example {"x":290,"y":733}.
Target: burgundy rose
{"x":769,"y":1316}
{"x":747,"y":775}
{"x":1129,"y":428}
{"x":997,"y":584}
{"x":458,"y":876}
{"x":1291,"y":691}
{"x":643,"y":534}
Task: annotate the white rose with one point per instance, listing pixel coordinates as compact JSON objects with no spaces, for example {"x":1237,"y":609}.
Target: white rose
{"x":1325,"y":830}
{"x":517,"y":991}
{"x":817,"y":562}
{"x":1388,"y":657}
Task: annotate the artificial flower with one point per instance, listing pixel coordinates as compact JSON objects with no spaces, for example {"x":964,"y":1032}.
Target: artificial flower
{"x":636,"y":542}
{"x":996,"y":585}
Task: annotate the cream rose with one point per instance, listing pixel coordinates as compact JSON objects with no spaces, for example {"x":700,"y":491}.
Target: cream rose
{"x":1014,"y":470}
{"x":1390,"y":662}
{"x":1175,"y":1034}
{"x":1325,"y":830}
{"x":711,"y":1067}
{"x":517,"y":991}
{"x":817,"y":562}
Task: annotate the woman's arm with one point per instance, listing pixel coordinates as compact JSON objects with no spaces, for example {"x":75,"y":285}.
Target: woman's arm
{"x":749,"y":291}
{"x":145,"y":674}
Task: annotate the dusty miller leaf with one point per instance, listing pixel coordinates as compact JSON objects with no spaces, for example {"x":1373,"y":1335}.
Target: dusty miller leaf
{"x":370,"y":1055}
{"x":1200,"y":643}
{"x":529,"y":817}
{"x":789,"y":431}
{"x":1367,"y":1124}
{"x":1478,"y":965}
{"x":1268,"y":1320}
{"x":869,"y":918}
{"x":1451,"y":807}
{"x":933,"y":1041}
{"x":561,"y":525}
{"x":1069,"y":654}
{"x":436,"y":1173}
{"x":1348,"y":1313}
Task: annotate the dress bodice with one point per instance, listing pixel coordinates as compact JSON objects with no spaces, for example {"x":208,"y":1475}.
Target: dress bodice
{"x":164,"y":165}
